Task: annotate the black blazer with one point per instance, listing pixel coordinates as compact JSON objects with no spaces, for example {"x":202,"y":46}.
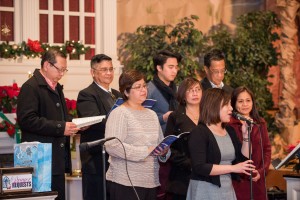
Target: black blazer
{"x":205,"y":152}
{"x":42,"y":114}
{"x":206,"y":84}
{"x":93,"y":101}
{"x":181,"y":167}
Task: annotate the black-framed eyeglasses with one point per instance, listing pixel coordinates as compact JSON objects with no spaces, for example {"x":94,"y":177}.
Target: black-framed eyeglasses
{"x":58,"y":69}
{"x":105,"y":70}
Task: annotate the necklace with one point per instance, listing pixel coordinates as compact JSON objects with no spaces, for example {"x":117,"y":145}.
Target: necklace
{"x":194,"y":116}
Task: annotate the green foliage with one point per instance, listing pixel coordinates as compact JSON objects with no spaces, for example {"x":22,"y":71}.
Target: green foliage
{"x":249,"y":51}
{"x":139,"y":48}
{"x":249,"y":55}
{"x":33,"y":49}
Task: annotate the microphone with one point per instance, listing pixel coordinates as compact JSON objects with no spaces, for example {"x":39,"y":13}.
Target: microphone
{"x":241,"y":117}
{"x":87,"y":145}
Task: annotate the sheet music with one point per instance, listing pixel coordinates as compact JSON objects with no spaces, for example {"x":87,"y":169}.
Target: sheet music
{"x":87,"y":121}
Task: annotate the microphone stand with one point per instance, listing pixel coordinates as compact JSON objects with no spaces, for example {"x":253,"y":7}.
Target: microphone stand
{"x":103,"y":172}
{"x":250,"y":156}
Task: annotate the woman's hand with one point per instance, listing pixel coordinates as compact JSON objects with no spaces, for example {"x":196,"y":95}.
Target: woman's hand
{"x":244,"y":167}
{"x":161,"y":151}
{"x":256,"y":177}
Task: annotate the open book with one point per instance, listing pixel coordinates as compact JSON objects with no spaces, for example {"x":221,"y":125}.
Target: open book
{"x":277,"y":163}
{"x":148,"y":103}
{"x":167,"y":141}
{"x":87,"y":121}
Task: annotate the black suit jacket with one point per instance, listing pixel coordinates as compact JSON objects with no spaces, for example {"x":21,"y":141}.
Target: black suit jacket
{"x":42,"y":116}
{"x":206,"y":84}
{"x":92,"y":101}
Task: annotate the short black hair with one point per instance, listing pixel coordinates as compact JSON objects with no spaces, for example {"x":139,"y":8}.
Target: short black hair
{"x":50,"y":56}
{"x":162,"y":57}
{"x":213,"y":55}
{"x":99,"y":58}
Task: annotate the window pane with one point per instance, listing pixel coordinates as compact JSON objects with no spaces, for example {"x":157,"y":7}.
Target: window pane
{"x":89,"y":6}
{"x":74,"y":5}
{"x":74,"y":28}
{"x":44,"y":28}
{"x":43,"y":4}
{"x":89,"y":30}
{"x":89,"y":54}
{"x":58,"y":29}
{"x":7,"y":26}
{"x":58,"y":5}
{"x":7,"y":3}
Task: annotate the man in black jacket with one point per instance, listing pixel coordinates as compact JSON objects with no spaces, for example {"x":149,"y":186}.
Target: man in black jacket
{"x":215,"y":69}
{"x":97,"y":99}
{"x":42,"y":115}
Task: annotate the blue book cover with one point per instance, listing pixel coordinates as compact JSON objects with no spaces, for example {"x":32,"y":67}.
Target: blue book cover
{"x":166,"y":142}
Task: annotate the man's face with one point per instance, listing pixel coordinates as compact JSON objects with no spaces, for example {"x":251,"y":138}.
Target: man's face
{"x":103,"y":73}
{"x":169,"y":71}
{"x":215,"y":73}
{"x":55,"y":71}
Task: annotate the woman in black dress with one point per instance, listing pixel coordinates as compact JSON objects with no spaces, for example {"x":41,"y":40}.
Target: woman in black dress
{"x":184,"y":119}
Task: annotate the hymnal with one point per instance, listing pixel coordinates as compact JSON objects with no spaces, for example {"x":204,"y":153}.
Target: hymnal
{"x":167,"y":141}
{"x":87,"y":121}
{"x":277,"y":163}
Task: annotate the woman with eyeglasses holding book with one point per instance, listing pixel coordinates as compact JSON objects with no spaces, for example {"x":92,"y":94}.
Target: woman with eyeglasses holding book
{"x":139,"y":131}
{"x":217,"y":155}
{"x":183,"y":119}
{"x":243,"y":102}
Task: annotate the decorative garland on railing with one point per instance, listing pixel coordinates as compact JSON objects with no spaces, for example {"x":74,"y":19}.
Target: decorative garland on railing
{"x":35,"y":48}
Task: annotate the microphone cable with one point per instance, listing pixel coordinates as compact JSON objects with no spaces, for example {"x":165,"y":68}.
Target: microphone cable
{"x":127,"y":169}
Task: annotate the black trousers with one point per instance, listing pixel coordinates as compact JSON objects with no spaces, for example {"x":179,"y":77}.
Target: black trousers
{"x":92,"y":187}
{"x":121,"y":192}
{"x":58,"y":184}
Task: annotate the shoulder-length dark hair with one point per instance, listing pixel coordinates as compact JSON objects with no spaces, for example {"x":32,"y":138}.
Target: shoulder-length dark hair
{"x":184,"y":86}
{"x":212,"y":101}
{"x":127,"y":79}
{"x":236,"y":92}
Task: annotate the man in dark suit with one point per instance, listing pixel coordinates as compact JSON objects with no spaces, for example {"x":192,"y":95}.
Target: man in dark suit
{"x":97,"y":99}
{"x":215,"y":69}
{"x":42,"y":115}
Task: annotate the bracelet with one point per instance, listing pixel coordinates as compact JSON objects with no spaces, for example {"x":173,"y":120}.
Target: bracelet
{"x":246,"y":139}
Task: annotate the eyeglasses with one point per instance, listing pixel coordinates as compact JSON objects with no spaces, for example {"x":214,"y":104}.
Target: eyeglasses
{"x":221,"y":71}
{"x":140,"y":87}
{"x":58,"y":69}
{"x":105,"y":70}
{"x":196,"y":90}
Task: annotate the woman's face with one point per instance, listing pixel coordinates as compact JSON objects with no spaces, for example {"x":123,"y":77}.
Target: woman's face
{"x":244,"y":103}
{"x":138,"y":92}
{"x":225,"y":112}
{"x":193,"y":95}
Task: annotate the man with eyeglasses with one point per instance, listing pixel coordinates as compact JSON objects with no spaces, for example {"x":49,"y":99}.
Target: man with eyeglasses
{"x":214,"y":66}
{"x":163,"y":89}
{"x":97,"y":99}
{"x":42,"y":115}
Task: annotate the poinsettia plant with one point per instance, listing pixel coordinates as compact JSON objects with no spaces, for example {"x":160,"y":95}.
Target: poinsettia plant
{"x":8,"y":98}
{"x":71,"y":107}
